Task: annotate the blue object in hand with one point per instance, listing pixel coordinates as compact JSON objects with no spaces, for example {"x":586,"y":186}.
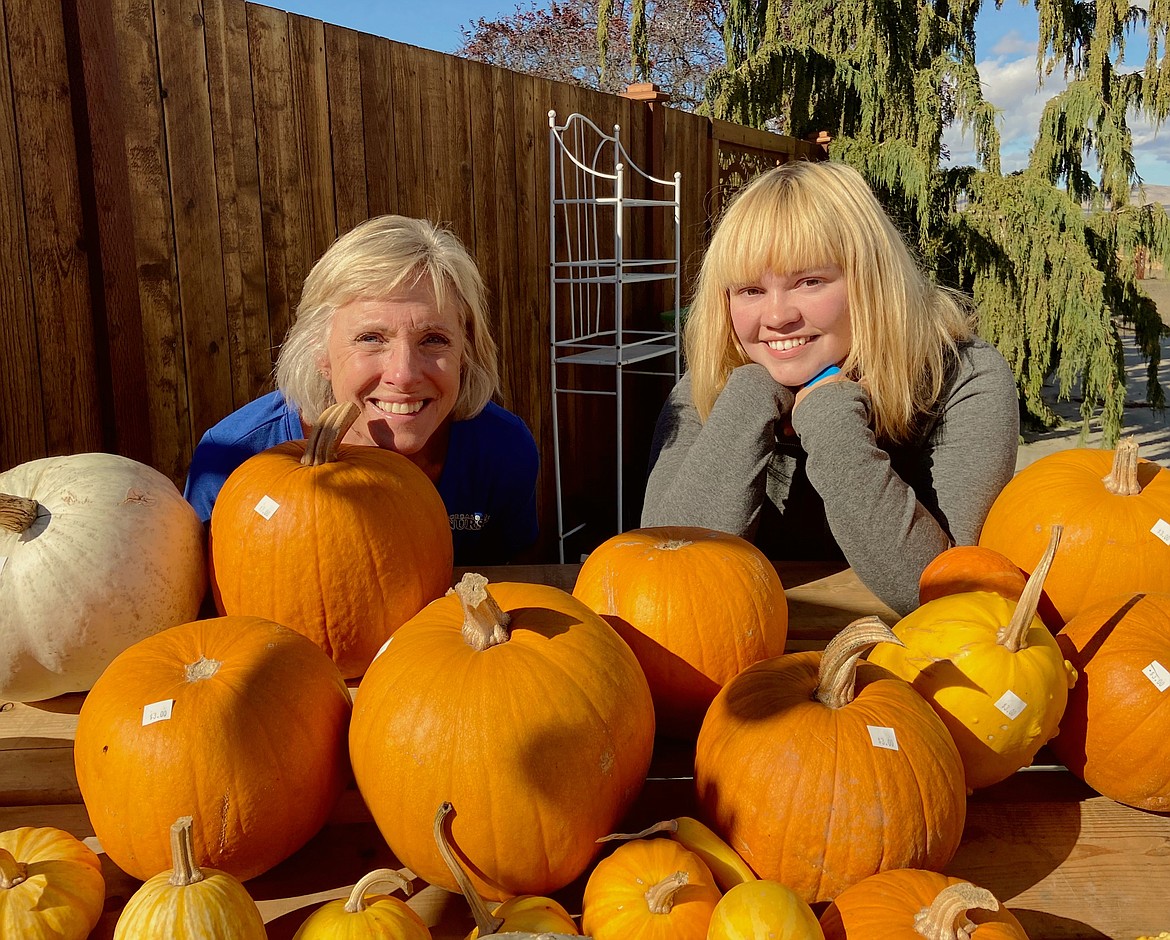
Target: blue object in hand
{"x":823,"y":374}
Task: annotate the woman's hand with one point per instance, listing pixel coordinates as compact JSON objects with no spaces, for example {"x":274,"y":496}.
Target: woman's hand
{"x":829,"y":374}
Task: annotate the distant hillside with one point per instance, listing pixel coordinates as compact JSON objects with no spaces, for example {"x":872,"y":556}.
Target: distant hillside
{"x":1154,"y":194}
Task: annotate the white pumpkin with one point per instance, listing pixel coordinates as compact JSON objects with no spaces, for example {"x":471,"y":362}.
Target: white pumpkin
{"x":97,"y":551}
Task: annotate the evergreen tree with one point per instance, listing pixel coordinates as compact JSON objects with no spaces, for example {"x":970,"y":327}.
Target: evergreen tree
{"x":1047,"y":252}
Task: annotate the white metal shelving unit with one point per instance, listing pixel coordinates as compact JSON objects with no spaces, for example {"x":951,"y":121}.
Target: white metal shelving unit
{"x":590,"y":272}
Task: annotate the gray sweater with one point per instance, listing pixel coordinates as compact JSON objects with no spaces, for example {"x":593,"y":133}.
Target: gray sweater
{"x":828,"y":488}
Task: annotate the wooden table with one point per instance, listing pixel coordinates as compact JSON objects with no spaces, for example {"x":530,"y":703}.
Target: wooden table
{"x":1068,"y":862}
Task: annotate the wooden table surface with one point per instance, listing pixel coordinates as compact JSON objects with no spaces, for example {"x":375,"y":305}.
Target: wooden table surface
{"x":1066,"y":861}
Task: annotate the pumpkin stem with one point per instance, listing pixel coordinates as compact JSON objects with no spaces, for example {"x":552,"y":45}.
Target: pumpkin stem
{"x":183,"y":855}
{"x":667,"y":825}
{"x":1122,"y":479}
{"x":17,"y":513}
{"x":203,"y":669}
{"x":333,"y":424}
{"x":1013,"y":637}
{"x":485,"y":623}
{"x":673,"y":545}
{"x":12,"y":872}
{"x":485,"y":920}
{"x":660,"y":898}
{"x":382,"y":877}
{"x":946,"y":918}
{"x":837,"y":677}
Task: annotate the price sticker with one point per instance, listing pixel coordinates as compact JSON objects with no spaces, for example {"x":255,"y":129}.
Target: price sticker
{"x":883,"y":737}
{"x":1158,"y":674}
{"x":1162,"y":530}
{"x":1011,"y":704}
{"x":267,"y":507}
{"x":158,"y":711}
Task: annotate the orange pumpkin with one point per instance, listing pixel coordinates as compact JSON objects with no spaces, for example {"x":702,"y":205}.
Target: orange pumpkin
{"x":51,"y":885}
{"x":649,"y":889}
{"x":820,"y":771}
{"x":1115,"y":510}
{"x":524,"y":709}
{"x":966,"y":569}
{"x":1114,"y":731}
{"x":237,"y":721}
{"x":695,"y":605}
{"x":910,"y":904}
{"x":342,"y":543}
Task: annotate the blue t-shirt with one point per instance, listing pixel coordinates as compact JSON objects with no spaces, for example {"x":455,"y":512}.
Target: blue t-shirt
{"x":488,"y":481}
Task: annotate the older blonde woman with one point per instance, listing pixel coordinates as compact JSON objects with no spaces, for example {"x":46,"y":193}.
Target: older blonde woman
{"x":392,"y":318}
{"x":837,"y":403}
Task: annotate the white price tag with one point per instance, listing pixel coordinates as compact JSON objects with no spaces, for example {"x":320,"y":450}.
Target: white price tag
{"x":1011,"y":704}
{"x":1162,"y":530}
{"x":158,"y":711}
{"x":1159,"y":675}
{"x":267,"y":507}
{"x":883,"y":737}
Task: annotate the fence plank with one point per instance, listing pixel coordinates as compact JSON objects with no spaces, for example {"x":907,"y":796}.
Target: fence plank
{"x":237,"y":177}
{"x":343,"y":63}
{"x":378,"y":125}
{"x":311,"y":105}
{"x":150,"y":194}
{"x":198,"y":250}
{"x":22,"y":427}
{"x":405,"y":65}
{"x":52,"y":202}
{"x":283,"y":200}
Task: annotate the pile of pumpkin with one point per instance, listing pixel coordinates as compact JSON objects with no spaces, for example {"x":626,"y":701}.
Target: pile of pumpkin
{"x":825,"y":780}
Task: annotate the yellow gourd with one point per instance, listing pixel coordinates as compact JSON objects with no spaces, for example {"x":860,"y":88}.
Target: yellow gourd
{"x":378,"y":917}
{"x":991,"y":670}
{"x":763,"y":910}
{"x":531,"y":913}
{"x":190,"y":903}
{"x":51,"y":885}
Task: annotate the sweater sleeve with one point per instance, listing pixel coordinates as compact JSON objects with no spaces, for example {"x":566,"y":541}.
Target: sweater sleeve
{"x":714,"y":473}
{"x":885,"y":531}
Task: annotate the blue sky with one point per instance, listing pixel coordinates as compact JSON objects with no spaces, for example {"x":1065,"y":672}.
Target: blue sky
{"x":1006,"y":57}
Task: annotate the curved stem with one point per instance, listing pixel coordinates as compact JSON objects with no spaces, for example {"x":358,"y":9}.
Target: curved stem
{"x":946,"y":918}
{"x":1122,"y":479}
{"x":660,"y":898}
{"x":333,"y":424}
{"x":17,"y":513}
{"x":186,"y":871}
{"x":1014,"y":636}
{"x":485,"y":623}
{"x":667,"y":825}
{"x":837,"y":678}
{"x":380,"y":876}
{"x":12,"y":872}
{"x":487,"y":922}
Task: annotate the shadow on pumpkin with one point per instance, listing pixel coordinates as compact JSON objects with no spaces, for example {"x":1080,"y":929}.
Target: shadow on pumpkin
{"x":552,"y":623}
{"x":681,"y":692}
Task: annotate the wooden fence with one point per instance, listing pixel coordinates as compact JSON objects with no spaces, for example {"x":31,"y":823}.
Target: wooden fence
{"x":170,"y":170}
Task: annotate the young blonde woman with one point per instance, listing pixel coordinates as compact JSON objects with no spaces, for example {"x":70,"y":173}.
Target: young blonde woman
{"x":837,"y":403}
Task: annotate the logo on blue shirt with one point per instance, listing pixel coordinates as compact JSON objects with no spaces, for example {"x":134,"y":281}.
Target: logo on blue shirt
{"x":468,"y":521}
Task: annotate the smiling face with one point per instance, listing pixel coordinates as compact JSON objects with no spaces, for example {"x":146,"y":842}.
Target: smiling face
{"x":793,"y":324}
{"x":398,"y":359}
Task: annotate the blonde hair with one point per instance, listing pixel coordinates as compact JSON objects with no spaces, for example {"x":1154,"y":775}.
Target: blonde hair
{"x":805,"y":215}
{"x":372,"y":261}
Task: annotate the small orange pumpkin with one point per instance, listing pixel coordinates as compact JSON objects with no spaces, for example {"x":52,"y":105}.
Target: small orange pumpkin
{"x":51,"y":885}
{"x":522,"y":707}
{"x":820,"y":771}
{"x":237,"y":720}
{"x":340,"y":542}
{"x":909,"y":904}
{"x":649,"y":889}
{"x":1114,"y":731}
{"x":695,"y":605}
{"x":1109,"y":503}
{"x":758,"y":909}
